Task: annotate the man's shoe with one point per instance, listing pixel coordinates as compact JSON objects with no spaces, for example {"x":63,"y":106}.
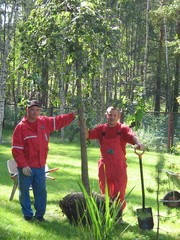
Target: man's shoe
{"x":40,"y":219}
{"x":29,"y":219}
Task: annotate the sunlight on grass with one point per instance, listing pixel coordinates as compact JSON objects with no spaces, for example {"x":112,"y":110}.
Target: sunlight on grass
{"x":67,"y":157}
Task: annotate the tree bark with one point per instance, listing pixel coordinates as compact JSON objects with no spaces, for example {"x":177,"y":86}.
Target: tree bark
{"x":84,"y":161}
{"x":159,"y":72}
{"x":146,"y":49}
{"x":9,"y":25}
{"x":177,"y":74}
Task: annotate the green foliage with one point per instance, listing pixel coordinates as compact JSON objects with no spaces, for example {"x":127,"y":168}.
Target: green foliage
{"x":137,"y":109}
{"x":153,"y":132}
{"x":164,"y":180}
{"x":102,"y":42}
{"x":102,"y":222}
{"x":175,"y":149}
{"x":159,"y":167}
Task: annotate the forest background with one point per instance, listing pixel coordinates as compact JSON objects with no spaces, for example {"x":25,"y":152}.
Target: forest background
{"x":90,"y":55}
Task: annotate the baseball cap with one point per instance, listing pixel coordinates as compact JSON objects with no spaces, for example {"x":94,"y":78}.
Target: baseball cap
{"x":33,"y":103}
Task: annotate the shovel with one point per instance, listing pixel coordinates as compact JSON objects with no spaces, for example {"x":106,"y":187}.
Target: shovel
{"x":145,"y":218}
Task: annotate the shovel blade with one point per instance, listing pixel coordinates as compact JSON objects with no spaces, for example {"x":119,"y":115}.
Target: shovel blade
{"x":145,"y":218}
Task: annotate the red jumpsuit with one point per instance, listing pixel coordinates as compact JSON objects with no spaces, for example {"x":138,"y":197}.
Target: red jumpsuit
{"x":112,"y":164}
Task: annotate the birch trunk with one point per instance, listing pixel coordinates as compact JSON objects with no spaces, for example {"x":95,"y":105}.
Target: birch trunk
{"x":82,"y":123}
{"x":177,"y":73}
{"x":146,"y":48}
{"x":9,"y":23}
{"x":103,"y":86}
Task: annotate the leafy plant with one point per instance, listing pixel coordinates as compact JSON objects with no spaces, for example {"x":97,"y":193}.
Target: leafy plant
{"x":101,"y":221}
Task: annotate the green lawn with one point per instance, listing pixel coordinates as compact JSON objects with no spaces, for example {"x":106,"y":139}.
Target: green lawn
{"x":66,"y":156}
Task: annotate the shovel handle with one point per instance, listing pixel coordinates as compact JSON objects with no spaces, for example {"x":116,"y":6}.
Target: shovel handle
{"x":139,"y":152}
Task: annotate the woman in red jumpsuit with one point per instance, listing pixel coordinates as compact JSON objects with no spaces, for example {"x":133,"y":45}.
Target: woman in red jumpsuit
{"x":113,"y":137}
{"x":30,"y":148}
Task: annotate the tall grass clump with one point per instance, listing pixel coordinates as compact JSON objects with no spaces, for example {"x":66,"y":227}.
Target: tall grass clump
{"x":100,"y":220}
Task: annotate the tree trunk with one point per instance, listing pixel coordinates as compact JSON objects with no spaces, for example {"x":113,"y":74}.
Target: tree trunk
{"x":103,"y":87}
{"x":159,"y":72}
{"x":146,"y":49}
{"x":9,"y":24}
{"x":45,"y":77}
{"x":168,"y":85}
{"x":177,"y":74}
{"x":84,"y":162}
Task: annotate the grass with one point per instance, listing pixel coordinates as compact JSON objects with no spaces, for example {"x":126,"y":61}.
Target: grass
{"x":66,"y":156}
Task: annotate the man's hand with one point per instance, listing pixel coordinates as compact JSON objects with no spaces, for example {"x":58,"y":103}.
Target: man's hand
{"x":139,"y":146}
{"x":75,"y":113}
{"x":27,"y":171}
{"x":137,"y":143}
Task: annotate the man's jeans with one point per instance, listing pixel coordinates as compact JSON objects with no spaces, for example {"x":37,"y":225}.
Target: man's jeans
{"x":37,"y":181}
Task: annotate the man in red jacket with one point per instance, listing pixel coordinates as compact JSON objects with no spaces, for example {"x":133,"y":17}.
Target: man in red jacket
{"x":30,"y":148}
{"x":113,"y":137}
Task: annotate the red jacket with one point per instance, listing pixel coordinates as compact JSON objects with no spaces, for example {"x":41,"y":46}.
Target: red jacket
{"x":30,"y":148}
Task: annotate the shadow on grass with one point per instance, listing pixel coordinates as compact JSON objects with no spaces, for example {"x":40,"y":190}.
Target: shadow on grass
{"x":128,"y":232}
{"x":60,"y":228}
{"x":47,"y":230}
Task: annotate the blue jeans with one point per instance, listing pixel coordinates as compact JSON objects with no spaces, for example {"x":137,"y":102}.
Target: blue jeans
{"x":37,"y":181}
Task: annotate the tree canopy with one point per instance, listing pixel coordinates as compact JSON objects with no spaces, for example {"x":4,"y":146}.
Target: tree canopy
{"x":120,"y":52}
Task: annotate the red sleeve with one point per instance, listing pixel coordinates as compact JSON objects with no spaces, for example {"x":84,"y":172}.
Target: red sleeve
{"x":64,"y":120}
{"x":127,"y":134}
{"x":18,"y":147}
{"x":60,"y":121}
{"x":96,"y":133}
